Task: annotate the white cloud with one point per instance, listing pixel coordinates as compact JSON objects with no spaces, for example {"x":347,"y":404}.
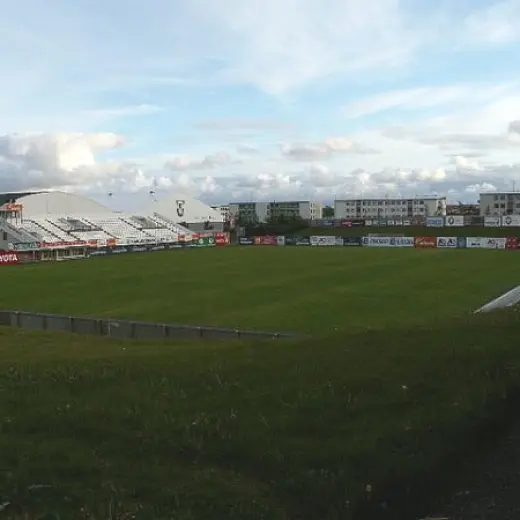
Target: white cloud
{"x":246,"y":149}
{"x":424,"y":97}
{"x":323,"y":150}
{"x":496,"y":24}
{"x":211,"y":161}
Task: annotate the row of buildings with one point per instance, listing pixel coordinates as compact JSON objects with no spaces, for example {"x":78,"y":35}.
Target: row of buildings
{"x":493,"y":204}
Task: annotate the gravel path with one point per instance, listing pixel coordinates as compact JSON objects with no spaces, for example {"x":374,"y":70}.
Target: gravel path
{"x":493,"y":492}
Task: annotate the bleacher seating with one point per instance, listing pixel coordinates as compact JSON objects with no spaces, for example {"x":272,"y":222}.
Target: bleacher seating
{"x":38,"y":230}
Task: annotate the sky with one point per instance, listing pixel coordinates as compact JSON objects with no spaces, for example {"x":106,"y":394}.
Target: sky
{"x":261,"y":100}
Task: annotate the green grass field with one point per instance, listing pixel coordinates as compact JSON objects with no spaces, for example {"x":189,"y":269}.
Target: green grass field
{"x":400,"y":397}
{"x":311,"y":290}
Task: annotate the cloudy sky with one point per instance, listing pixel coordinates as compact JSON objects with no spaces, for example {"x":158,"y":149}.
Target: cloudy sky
{"x":260,"y":99}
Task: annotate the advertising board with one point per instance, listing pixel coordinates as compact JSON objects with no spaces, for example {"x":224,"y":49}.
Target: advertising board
{"x":511,"y":221}
{"x":280,"y":241}
{"x":447,"y":242}
{"x":512,"y":243}
{"x":455,"y":221}
{"x":426,"y":242}
{"x":303,"y":241}
{"x":246,"y":241}
{"x":24,"y":246}
{"x":352,"y":241}
{"x":322,"y":241}
{"x":486,"y":243}
{"x":266,"y":240}
{"x":8,"y":258}
{"x":491,"y":221}
{"x":434,"y":222}
{"x":222,"y":239}
{"x":388,"y":241}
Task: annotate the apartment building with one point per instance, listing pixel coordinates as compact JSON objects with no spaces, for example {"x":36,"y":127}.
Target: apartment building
{"x":504,"y":203}
{"x":224,"y":211}
{"x":263,"y":211}
{"x":390,"y":207}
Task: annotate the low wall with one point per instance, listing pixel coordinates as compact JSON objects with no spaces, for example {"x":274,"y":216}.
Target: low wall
{"x":126,"y":329}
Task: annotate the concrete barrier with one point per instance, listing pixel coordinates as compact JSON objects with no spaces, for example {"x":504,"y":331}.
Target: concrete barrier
{"x":127,"y":329}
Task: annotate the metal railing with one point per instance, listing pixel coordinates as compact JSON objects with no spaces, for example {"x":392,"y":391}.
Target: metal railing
{"x":126,"y":329}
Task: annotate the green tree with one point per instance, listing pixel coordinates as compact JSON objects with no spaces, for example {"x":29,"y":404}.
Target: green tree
{"x":328,"y":212}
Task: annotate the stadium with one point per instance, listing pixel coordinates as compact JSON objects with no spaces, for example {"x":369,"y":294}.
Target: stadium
{"x":381,"y":376}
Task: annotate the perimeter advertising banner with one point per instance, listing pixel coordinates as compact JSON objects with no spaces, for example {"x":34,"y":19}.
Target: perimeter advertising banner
{"x":434,"y":222}
{"x":486,"y":243}
{"x":511,"y":221}
{"x":266,"y":240}
{"x":388,"y":241}
{"x":447,"y":242}
{"x":455,"y":221}
{"x":512,"y":243}
{"x":426,"y":242}
{"x":8,"y":258}
{"x":323,"y":241}
{"x":246,"y":241}
{"x":491,"y":221}
{"x":352,"y":241}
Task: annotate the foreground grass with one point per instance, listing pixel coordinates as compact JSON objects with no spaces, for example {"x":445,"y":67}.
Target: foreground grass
{"x":300,"y":289}
{"x":274,"y":430}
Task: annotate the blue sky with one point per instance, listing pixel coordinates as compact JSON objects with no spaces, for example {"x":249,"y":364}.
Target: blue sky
{"x":287,"y":99}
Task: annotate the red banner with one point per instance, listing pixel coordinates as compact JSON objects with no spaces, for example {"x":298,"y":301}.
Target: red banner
{"x":511,"y":243}
{"x":62,"y":243}
{"x":111,"y":242}
{"x":222,"y":239}
{"x":266,"y":240}
{"x":8,"y":258}
{"x":426,"y":242}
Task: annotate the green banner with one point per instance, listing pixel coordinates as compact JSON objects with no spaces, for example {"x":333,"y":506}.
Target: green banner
{"x":204,"y":242}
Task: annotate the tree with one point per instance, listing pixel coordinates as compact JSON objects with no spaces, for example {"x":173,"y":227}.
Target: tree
{"x":328,"y":212}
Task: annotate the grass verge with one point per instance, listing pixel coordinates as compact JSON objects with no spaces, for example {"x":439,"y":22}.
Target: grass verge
{"x":250,"y":431}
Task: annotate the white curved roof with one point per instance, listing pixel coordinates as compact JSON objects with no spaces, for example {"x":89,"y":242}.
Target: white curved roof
{"x":182,"y":208}
{"x":61,"y":204}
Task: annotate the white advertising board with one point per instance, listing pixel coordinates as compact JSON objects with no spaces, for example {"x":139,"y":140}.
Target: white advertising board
{"x":388,"y":241}
{"x":323,"y":241}
{"x":455,"y":221}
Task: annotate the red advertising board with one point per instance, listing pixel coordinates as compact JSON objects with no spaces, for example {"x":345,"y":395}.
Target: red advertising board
{"x":8,"y":258}
{"x":266,"y":240}
{"x":222,"y":239}
{"x":62,"y":243}
{"x":512,"y":243}
{"x":425,"y":242}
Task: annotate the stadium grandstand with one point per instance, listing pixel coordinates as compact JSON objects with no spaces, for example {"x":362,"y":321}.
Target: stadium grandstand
{"x":57,"y":220}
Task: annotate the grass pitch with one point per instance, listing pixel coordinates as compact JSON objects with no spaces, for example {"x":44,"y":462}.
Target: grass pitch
{"x":397,"y":400}
{"x":315,"y":290}
{"x":108,"y":429}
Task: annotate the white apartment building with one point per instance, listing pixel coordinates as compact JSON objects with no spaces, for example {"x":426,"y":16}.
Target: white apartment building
{"x":263,"y":211}
{"x":224,"y":211}
{"x":390,"y":208}
{"x":504,"y":203}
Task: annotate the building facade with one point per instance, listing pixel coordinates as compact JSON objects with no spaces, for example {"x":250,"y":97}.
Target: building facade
{"x":390,"y":208}
{"x":264,"y":211}
{"x":224,"y":211}
{"x":505,"y":203}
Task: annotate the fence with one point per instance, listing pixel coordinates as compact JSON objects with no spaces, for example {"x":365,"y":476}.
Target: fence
{"x":125,"y":329}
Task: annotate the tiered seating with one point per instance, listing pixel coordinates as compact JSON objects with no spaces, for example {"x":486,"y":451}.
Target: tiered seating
{"x":80,"y":229}
{"x":41,"y":233}
{"x":121,"y":229}
{"x":157,"y":230}
{"x":166,"y":223}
